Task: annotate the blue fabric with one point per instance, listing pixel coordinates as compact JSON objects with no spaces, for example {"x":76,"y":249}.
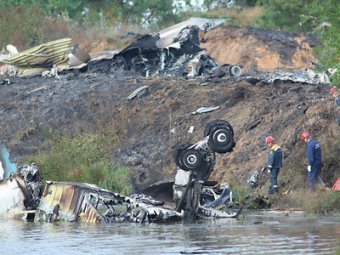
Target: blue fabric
{"x":222,"y":199}
{"x":273,"y":176}
{"x":313,"y":175}
{"x":314,"y":153}
{"x":314,"y":158}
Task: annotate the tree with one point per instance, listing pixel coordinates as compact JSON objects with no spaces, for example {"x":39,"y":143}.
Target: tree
{"x":145,"y":12}
{"x":71,"y":8}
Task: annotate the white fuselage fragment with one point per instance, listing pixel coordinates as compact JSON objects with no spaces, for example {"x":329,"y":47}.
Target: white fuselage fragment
{"x":11,"y":197}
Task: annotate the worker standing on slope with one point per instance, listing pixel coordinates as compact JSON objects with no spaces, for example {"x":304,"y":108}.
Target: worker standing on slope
{"x":314,"y":159}
{"x":274,"y":164}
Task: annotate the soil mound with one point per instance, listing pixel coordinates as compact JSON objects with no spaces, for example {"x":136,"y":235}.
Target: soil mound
{"x":259,"y":49}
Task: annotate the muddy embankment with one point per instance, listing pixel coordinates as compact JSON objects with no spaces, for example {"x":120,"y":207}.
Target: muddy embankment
{"x":148,"y":127}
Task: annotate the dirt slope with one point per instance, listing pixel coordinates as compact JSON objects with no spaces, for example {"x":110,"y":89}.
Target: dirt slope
{"x":144,"y":125}
{"x":149,"y":127}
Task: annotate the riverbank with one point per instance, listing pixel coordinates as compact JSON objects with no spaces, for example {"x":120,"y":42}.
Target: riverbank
{"x":86,"y":127}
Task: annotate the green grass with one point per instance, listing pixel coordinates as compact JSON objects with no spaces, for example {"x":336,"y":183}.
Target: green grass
{"x":242,"y":191}
{"x":83,"y":158}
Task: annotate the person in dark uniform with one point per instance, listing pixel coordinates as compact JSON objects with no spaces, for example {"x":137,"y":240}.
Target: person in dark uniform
{"x":274,"y":164}
{"x":314,"y":159}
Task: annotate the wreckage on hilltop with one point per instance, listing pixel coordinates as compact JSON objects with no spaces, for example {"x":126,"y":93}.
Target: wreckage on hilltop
{"x":172,"y":52}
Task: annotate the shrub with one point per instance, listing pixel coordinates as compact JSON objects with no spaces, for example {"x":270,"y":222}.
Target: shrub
{"x":83,"y":158}
{"x":242,"y":191}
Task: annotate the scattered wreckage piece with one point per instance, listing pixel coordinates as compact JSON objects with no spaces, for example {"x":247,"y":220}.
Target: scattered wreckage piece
{"x":198,"y":199}
{"x":253,"y":179}
{"x":20,"y":193}
{"x":307,"y":76}
{"x":195,"y":164}
{"x":139,"y":93}
{"x":80,"y":202}
{"x":11,"y":197}
{"x":205,"y":109}
{"x":168,"y":35}
{"x":78,"y":56}
{"x":20,"y":186}
{"x":40,"y":58}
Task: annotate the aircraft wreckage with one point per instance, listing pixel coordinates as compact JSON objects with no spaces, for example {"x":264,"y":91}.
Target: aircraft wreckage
{"x":23,"y":192}
{"x":171,"y":52}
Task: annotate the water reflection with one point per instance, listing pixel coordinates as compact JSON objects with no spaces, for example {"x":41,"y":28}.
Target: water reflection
{"x":269,"y":236}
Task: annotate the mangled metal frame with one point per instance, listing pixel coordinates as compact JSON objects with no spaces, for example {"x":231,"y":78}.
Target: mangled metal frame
{"x":174,"y":51}
{"x":80,"y":202}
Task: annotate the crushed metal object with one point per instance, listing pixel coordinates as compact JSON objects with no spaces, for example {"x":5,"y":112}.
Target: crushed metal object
{"x":80,"y":202}
{"x":205,"y":109}
{"x":78,"y":56}
{"x":20,"y":193}
{"x":139,"y":93}
{"x":40,"y":58}
{"x":307,"y":76}
{"x":254,"y":177}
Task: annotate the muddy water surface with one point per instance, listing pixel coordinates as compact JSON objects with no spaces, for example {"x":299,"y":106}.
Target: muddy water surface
{"x":250,"y":234}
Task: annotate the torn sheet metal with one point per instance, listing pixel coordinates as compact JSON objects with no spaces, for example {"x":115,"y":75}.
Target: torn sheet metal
{"x":307,"y":76}
{"x":72,"y":201}
{"x":44,"y":55}
{"x":78,"y":56}
{"x":20,"y":191}
{"x":215,"y":201}
{"x":88,"y":203}
{"x":139,"y":93}
{"x":205,"y":109}
{"x":167,"y":36}
{"x":35,"y":60}
{"x":11,"y":197}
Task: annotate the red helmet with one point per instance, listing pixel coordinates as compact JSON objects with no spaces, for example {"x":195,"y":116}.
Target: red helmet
{"x":269,"y":139}
{"x":333,"y":90}
{"x":305,"y":135}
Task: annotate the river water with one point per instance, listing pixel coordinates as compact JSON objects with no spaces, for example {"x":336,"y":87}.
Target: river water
{"x":249,"y":234}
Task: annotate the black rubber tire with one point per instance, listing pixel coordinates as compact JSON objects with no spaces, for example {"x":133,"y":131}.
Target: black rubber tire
{"x":212,"y":125}
{"x":235,"y":71}
{"x":191,"y":160}
{"x":176,"y":153}
{"x":221,"y":140}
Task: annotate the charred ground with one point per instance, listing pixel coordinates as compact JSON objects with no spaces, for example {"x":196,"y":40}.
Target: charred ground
{"x":147,"y":128}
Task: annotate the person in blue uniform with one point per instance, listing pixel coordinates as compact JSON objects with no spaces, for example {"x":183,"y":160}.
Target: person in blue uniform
{"x":314,"y":159}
